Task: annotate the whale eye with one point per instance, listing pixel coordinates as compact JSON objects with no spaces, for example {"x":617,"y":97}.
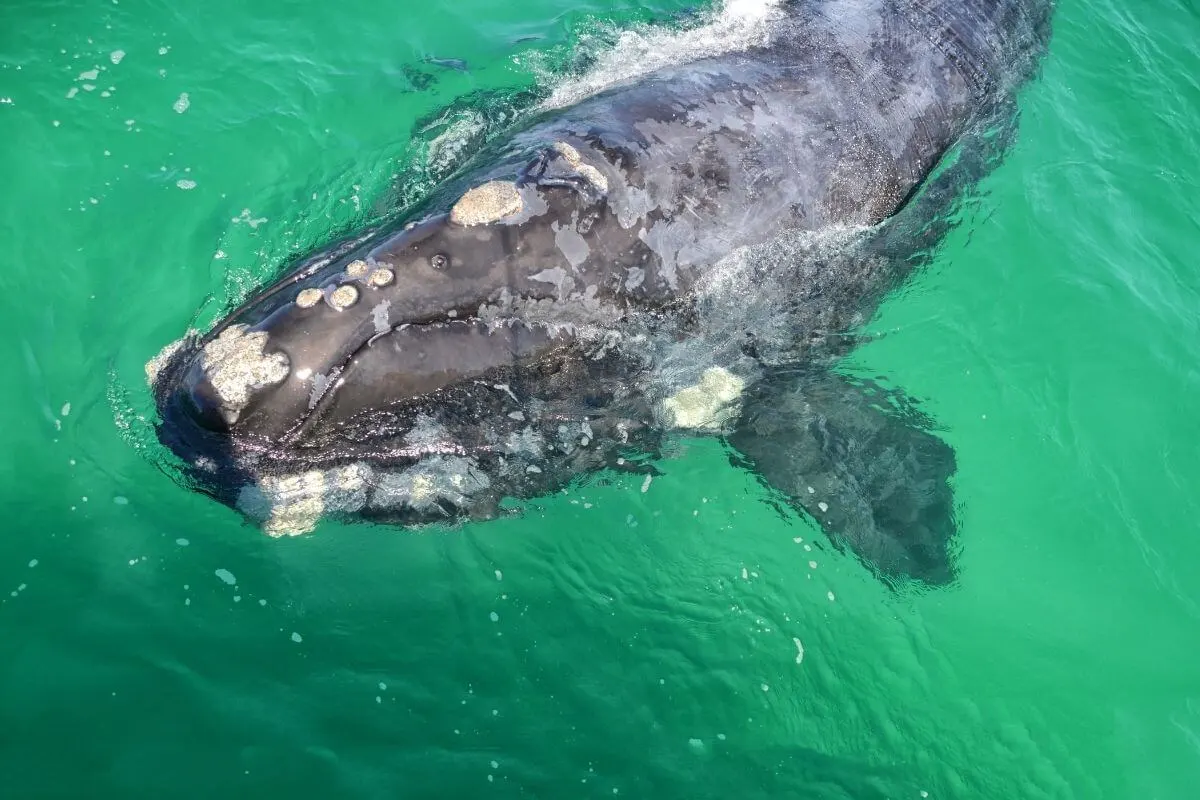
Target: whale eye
{"x":439,"y":261}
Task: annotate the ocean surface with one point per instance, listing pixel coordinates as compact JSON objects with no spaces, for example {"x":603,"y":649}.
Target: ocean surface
{"x":676,"y":640}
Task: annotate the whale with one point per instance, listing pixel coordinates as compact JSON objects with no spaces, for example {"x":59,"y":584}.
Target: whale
{"x":689,"y":252}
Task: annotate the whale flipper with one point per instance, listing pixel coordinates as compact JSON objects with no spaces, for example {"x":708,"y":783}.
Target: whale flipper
{"x":861,"y":461}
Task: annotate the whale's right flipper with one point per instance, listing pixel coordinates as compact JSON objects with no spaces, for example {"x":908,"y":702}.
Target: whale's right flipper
{"x":860,"y":460}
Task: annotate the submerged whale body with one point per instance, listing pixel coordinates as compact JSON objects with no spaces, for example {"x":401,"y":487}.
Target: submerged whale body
{"x":684,"y":253}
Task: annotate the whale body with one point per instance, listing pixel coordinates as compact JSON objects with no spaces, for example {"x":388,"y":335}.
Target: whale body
{"x":687,"y":253}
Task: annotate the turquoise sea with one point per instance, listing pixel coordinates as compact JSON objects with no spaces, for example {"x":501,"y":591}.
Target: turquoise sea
{"x":685,"y":641}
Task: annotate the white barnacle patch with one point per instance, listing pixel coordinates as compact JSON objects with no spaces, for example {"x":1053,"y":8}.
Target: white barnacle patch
{"x":290,"y":505}
{"x":155,"y":365}
{"x":708,"y":405}
{"x":586,"y":171}
{"x":432,"y":484}
{"x":489,"y":202}
{"x":343,"y":297}
{"x":357,"y":268}
{"x":307,"y":298}
{"x":380,"y":277}
{"x":236,"y":364}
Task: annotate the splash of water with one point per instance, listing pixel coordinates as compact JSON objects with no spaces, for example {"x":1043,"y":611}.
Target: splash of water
{"x":727,"y":27}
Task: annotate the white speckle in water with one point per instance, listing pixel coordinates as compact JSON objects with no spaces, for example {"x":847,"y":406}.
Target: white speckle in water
{"x":297,"y":637}
{"x":378,"y":699}
{"x":162,"y":51}
{"x":187,"y":601}
{"x":491,"y":778}
{"x":495,"y":765}
{"x":494,"y":616}
{"x":721,"y":736}
{"x":499,"y":575}
{"x":696,"y":744}
{"x":823,"y":506}
{"x":182,"y":104}
{"x":646,"y":483}
{"x":66,"y":409}
{"x":533,"y":469}
{"x":382,"y":686}
{"x":924,"y":793}
{"x":121,"y":500}
{"x":90,"y":75}
{"x":262,"y":602}
{"x":237,"y":598}
{"x":495,"y":712}
{"x":812,"y":565}
{"x":808,"y":548}
{"x":33,"y":563}
{"x":226,"y":576}
{"x":620,"y":462}
{"x":766,"y":688}
{"x":745,"y":574}
{"x":116,"y":55}
{"x":185,"y":184}
{"x":799,"y":650}
{"x":830,"y":596}
{"x":182,"y":542}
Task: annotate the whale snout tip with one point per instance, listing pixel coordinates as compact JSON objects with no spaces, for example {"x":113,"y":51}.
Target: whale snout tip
{"x":212,"y":384}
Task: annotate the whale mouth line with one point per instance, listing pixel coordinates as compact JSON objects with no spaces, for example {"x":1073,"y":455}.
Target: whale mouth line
{"x":326,"y":387}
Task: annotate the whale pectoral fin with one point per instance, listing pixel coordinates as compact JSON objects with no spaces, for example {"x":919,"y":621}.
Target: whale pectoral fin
{"x":860,"y":460}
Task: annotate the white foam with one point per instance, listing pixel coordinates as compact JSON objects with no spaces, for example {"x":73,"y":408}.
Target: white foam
{"x":729,"y":26}
{"x":226,"y":576}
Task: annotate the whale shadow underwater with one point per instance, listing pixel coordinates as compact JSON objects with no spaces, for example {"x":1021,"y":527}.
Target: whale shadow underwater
{"x":687,"y":253}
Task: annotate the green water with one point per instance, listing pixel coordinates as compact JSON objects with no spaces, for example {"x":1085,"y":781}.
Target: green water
{"x":610,"y":641}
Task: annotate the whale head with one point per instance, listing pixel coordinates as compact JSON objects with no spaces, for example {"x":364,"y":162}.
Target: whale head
{"x":477,"y":337}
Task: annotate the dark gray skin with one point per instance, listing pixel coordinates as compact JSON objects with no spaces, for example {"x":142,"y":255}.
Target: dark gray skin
{"x":738,"y":212}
